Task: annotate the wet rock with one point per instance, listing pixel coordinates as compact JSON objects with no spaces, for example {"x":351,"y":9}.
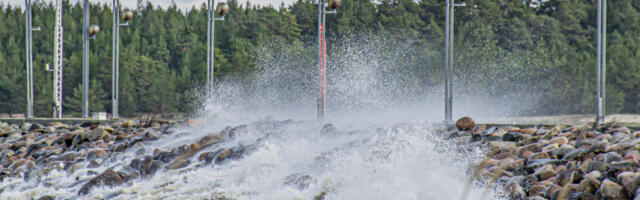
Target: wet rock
{"x":328,"y":129}
{"x":500,"y":146}
{"x":540,"y":155}
{"x":298,"y":181}
{"x":550,"y":147}
{"x":149,"y":166}
{"x":536,"y":190}
{"x":575,"y":154}
{"x":96,"y":153}
{"x":243,"y":129}
{"x":207,"y":157}
{"x":164,"y":156}
{"x":35,"y":127}
{"x":169,"y":129}
{"x":545,"y":172}
{"x":630,"y":181}
{"x":93,"y":164}
{"x":596,"y":175}
{"x":512,"y":136}
{"x":564,"y":150}
{"x":129,"y":124}
{"x":611,"y":190}
{"x":588,"y":185}
{"x":465,"y":123}
{"x":560,"y":140}
{"x":514,"y":191}
{"x":47,"y":197}
{"x":98,"y":133}
{"x":107,"y":178}
{"x":597,"y":166}
{"x":151,"y":135}
{"x":534,"y":164}
{"x":611,"y":157}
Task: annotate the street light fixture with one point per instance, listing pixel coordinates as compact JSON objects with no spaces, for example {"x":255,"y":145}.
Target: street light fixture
{"x":125,"y":16}
{"x":221,"y":9}
{"x":322,"y":52}
{"x":88,"y":32}
{"x":448,"y":59}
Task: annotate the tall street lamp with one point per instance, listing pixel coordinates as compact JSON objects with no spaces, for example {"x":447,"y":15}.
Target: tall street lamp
{"x":601,"y":62}
{"x":448,"y":57}
{"x":29,"y":56}
{"x":322,"y":52}
{"x":222,"y":9}
{"x":126,"y":15}
{"x":87,"y":30}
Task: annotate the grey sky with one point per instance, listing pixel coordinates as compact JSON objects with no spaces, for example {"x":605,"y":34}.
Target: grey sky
{"x":183,"y":4}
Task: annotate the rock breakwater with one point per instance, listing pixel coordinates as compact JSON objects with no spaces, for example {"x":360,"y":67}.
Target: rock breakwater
{"x":561,"y":162}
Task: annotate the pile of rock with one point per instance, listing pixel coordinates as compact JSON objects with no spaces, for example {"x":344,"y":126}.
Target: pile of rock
{"x":32,"y":150}
{"x":560,"y":162}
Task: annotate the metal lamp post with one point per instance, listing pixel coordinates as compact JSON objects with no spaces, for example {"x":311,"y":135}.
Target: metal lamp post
{"x":322,"y":52}
{"x":29,"y":56}
{"x":448,"y":57}
{"x":87,"y":30}
{"x":601,"y":62}
{"x":126,"y":15}
{"x":222,"y":9}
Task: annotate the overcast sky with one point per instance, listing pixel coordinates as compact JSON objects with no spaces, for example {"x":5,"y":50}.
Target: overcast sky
{"x":183,"y":4}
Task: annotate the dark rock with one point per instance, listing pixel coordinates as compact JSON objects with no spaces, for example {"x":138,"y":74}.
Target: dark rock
{"x":207,"y":157}
{"x":597,"y":166}
{"x":298,"y":181}
{"x":533,"y":164}
{"x":575,"y":154}
{"x":545,"y":172}
{"x":512,"y":136}
{"x":612,"y":156}
{"x":108,"y":178}
{"x":328,"y":129}
{"x":514,"y":191}
{"x":151,"y":135}
{"x":169,"y":129}
{"x":93,"y":164}
{"x":242,"y":129}
{"x":149,"y":166}
{"x":35,"y":127}
{"x":476,"y":137}
{"x":623,"y":165}
{"x":165,"y":156}
{"x":47,"y":197}
{"x":588,"y":185}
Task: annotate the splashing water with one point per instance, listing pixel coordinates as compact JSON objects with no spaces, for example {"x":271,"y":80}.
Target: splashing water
{"x":382,"y":147}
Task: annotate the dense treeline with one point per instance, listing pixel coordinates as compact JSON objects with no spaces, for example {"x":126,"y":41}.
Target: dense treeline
{"x":163,"y":51}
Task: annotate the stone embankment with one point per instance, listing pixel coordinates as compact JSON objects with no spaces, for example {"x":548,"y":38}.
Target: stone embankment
{"x":570,"y":162}
{"x":31,"y":151}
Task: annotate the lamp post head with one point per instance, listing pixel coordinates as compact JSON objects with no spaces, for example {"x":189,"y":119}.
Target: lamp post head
{"x":94,"y":30}
{"x":126,"y":15}
{"x":222,"y":9}
{"x":333,"y":4}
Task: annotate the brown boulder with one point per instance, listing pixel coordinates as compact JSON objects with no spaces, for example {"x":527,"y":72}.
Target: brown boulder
{"x":465,"y":123}
{"x":108,"y":178}
{"x":611,"y":190}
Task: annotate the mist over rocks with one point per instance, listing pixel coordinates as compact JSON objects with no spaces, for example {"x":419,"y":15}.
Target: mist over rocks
{"x":560,"y":162}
